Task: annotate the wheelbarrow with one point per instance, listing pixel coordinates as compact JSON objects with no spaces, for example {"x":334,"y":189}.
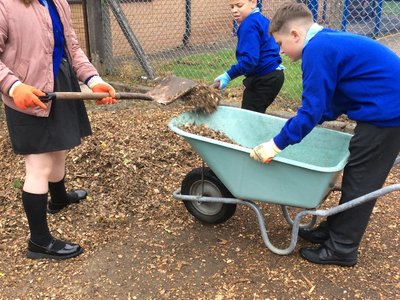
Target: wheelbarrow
{"x":302,"y":176}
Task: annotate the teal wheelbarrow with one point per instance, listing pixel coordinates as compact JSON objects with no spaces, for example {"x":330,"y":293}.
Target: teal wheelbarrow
{"x":302,"y":176}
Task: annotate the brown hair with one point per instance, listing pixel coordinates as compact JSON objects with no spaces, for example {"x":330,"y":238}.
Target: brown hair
{"x":289,"y":11}
{"x":27,"y":1}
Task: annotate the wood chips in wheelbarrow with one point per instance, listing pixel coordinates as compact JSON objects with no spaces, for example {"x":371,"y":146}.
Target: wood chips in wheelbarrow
{"x":205,"y":131}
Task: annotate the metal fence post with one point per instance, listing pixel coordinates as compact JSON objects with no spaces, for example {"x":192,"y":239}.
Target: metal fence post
{"x":188,"y":22}
{"x":259,"y":4}
{"x":95,"y":16}
{"x":378,"y":19}
{"x":313,"y":6}
{"x":345,"y":15}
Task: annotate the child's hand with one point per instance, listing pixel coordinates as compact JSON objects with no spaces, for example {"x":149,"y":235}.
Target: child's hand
{"x":265,"y":152}
{"x":98,"y":85}
{"x":223,"y":80}
{"x":27,"y":96}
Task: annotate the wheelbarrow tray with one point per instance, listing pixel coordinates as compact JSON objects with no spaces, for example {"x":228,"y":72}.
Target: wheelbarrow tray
{"x":300,"y":176}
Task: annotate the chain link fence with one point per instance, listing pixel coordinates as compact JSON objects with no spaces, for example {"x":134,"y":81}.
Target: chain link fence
{"x":79,"y":23}
{"x":196,"y":38}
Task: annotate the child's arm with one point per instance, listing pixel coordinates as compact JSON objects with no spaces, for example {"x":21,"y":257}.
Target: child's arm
{"x":319,"y":86}
{"x":247,"y":51}
{"x":247,"y":54}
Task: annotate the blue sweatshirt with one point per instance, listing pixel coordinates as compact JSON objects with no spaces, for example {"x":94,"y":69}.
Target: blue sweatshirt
{"x":344,"y":73}
{"x":257,"y":53}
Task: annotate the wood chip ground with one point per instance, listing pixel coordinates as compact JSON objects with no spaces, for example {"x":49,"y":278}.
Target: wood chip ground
{"x":140,"y":243}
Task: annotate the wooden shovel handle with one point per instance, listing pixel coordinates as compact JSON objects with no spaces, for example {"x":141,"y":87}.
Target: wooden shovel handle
{"x":92,"y":96}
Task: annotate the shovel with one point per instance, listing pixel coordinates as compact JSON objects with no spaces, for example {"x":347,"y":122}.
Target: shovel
{"x":171,"y":88}
{"x":167,"y":91}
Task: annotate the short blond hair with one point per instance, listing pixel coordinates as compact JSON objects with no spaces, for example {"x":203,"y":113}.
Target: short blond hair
{"x":287,"y":12}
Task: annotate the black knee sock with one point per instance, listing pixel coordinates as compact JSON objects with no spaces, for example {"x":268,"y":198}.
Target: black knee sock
{"x":58,"y":193}
{"x":35,"y":206}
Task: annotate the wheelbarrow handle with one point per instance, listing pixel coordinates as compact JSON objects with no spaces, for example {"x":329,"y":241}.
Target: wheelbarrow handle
{"x":92,"y":96}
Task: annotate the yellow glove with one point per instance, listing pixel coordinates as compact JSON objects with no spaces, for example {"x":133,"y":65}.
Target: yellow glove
{"x":98,"y":85}
{"x":265,"y":152}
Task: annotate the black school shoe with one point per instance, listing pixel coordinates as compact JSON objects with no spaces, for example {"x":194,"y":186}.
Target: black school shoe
{"x":325,"y":256}
{"x":316,"y":235}
{"x":56,"y":249}
{"x":73,"y":197}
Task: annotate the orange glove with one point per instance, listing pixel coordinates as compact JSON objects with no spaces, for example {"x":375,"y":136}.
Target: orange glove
{"x":26,"y":96}
{"x":98,"y":85}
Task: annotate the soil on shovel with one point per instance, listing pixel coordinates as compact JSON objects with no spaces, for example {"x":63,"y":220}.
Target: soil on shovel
{"x":202,"y":98}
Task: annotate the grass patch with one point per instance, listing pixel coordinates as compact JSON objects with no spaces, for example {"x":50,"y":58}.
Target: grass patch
{"x":391,"y":8}
{"x":205,"y":67}
{"x":292,"y":87}
{"x":201,"y":67}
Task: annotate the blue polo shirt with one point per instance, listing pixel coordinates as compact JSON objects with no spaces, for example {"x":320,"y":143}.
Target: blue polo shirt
{"x":58,"y":33}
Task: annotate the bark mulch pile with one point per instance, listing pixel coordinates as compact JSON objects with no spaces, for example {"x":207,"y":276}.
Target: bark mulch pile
{"x":140,"y":243}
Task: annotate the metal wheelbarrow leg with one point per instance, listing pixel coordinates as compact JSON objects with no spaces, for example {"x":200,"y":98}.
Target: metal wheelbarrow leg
{"x":296,"y":222}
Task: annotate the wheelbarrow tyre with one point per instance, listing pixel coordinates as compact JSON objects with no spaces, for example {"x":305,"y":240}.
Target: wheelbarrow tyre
{"x":207,"y":212}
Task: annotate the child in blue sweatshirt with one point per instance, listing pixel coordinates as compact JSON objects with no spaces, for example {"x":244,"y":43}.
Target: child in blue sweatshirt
{"x":257,"y":57}
{"x":348,"y":74}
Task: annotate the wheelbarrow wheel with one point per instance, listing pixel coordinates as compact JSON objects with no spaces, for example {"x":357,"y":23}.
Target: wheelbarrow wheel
{"x":210,"y":186}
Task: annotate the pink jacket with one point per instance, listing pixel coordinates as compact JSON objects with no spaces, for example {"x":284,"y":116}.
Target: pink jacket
{"x":26,"y":48}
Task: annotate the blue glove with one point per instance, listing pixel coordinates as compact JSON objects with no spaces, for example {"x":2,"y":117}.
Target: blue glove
{"x":223,"y":80}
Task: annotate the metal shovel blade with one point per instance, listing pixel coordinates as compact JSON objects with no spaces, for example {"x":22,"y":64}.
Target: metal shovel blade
{"x":170,"y":89}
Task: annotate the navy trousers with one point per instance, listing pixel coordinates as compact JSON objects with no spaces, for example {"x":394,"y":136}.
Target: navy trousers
{"x":373,"y":151}
{"x":261,"y":91}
